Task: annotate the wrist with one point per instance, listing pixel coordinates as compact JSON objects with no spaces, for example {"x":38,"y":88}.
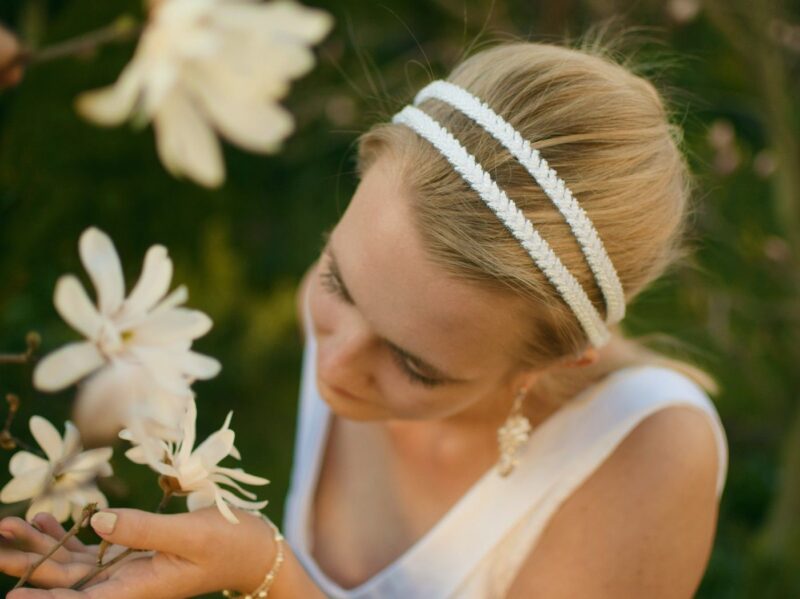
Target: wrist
{"x":264,"y":557}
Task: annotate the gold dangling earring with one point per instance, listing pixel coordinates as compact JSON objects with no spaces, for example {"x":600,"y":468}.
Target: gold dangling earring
{"x":512,"y":435}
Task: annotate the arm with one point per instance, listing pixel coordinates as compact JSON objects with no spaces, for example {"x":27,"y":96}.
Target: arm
{"x":186,"y":555}
{"x":642,"y":525}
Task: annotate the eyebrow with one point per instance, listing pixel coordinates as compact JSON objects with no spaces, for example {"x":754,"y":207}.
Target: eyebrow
{"x":420,"y":363}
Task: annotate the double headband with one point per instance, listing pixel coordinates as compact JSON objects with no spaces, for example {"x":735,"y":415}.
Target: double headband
{"x":512,"y":217}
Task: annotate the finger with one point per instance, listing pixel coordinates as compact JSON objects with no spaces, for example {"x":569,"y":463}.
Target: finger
{"x":158,"y":577}
{"x":31,"y":539}
{"x":42,"y":594}
{"x":50,"y":526}
{"x":49,"y":574}
{"x":179,"y":534}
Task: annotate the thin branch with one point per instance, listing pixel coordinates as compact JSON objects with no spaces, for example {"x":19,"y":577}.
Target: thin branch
{"x":123,"y":29}
{"x":8,"y":441}
{"x":32,"y":343}
{"x":165,"y":499}
{"x":86,"y":515}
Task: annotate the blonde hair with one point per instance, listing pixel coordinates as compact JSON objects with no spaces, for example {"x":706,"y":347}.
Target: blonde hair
{"x":607,"y":133}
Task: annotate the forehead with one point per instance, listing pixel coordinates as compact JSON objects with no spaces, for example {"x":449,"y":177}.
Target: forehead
{"x":404,"y":295}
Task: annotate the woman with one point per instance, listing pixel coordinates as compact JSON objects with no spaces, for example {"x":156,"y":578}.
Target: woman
{"x":472,"y":422}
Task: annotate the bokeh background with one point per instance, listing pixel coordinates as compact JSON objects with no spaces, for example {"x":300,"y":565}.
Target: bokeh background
{"x":730,"y":68}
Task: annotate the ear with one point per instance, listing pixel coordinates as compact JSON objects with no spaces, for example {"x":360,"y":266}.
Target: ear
{"x":589,"y":356}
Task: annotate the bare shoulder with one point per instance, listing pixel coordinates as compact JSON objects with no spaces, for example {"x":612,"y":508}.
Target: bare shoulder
{"x":642,"y":525}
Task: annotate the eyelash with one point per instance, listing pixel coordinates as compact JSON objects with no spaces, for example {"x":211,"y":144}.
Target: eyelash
{"x":331,"y":284}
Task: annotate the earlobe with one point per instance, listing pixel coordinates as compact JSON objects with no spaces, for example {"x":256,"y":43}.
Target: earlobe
{"x":589,"y":357}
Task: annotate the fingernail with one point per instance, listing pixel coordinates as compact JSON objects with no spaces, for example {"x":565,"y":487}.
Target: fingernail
{"x":104,"y":522}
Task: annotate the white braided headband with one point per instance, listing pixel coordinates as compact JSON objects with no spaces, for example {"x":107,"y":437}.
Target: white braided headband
{"x":512,"y":217}
{"x":592,"y":246}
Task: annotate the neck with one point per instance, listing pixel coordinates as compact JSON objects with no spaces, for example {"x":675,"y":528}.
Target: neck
{"x":466,"y":439}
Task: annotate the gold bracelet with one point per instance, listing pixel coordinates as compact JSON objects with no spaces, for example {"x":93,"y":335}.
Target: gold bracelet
{"x":263,"y":589}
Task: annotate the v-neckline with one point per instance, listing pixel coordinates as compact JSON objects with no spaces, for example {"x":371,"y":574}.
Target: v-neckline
{"x":487,"y":479}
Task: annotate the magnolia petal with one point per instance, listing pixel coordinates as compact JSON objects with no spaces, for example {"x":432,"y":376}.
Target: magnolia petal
{"x":172,"y":325}
{"x":242,"y":503}
{"x":26,"y":485}
{"x":165,"y":368}
{"x":178,"y":12}
{"x":257,"y":125}
{"x":94,"y":460}
{"x":224,"y":509}
{"x":220,"y":479}
{"x":277,"y":19}
{"x":186,"y":143}
{"x":25,"y":461}
{"x":113,"y":104}
{"x":75,"y":307}
{"x":41,"y":505}
{"x":72,"y":439}
{"x":199,"y":366}
{"x":242,"y":476}
{"x":188,"y":425}
{"x":81,"y":497}
{"x":100,"y":258}
{"x":174,"y":299}
{"x":227,"y":424}
{"x":67,"y":365}
{"x":60,"y":507}
{"x":47,"y":437}
{"x":197,"y":500}
{"x":152,"y":285}
{"x":137,"y":455}
{"x":235,"y":453}
{"x":215,"y":448}
{"x":104,"y":398}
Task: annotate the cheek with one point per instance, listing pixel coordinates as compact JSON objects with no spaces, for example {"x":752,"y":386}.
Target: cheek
{"x":326,"y":310}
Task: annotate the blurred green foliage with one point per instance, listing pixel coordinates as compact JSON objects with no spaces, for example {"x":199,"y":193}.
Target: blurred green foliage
{"x":242,"y":249}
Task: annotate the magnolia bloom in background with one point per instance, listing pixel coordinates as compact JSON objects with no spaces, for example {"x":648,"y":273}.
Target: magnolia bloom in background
{"x":64,"y":482}
{"x":149,"y":329}
{"x":207,"y":66}
{"x":195,"y":472}
{"x":123,"y":392}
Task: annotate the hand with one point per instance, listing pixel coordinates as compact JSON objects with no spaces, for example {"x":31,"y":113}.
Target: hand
{"x":9,"y":50}
{"x":186,"y":555}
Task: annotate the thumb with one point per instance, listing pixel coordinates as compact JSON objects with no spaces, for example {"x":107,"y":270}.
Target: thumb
{"x":168,"y":533}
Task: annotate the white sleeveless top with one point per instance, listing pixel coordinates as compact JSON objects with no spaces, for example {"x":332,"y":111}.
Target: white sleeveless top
{"x":506,"y":514}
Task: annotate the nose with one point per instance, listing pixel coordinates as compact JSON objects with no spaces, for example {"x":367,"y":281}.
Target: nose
{"x":344,"y":357}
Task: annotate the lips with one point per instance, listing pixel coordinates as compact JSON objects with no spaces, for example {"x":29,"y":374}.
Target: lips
{"x":341,"y":392}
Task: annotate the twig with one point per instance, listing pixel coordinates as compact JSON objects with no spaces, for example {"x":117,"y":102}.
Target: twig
{"x":86,"y":514}
{"x":90,"y":576}
{"x":121,"y":30}
{"x":165,"y":499}
{"x":32,"y":343}
{"x":7,"y":439}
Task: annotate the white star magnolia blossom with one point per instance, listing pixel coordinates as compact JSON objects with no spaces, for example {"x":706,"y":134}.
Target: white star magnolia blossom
{"x":206,"y":65}
{"x":63,"y":483}
{"x":137,"y":349}
{"x":196,"y":473}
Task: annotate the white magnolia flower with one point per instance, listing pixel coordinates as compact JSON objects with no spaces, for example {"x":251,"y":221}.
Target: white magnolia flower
{"x":121,"y":393}
{"x":148,"y":329}
{"x":206,"y":65}
{"x":63,"y":483}
{"x":196,"y":473}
